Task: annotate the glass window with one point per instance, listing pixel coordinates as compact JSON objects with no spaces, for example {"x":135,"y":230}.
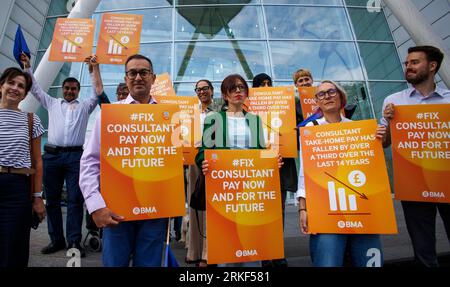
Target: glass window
{"x":159,"y":54}
{"x":207,"y":2}
{"x":357,"y":96}
{"x":380,"y":90}
{"x":229,"y":22}
{"x":60,"y":7}
{"x":156,"y":24}
{"x":216,"y":60}
{"x":317,"y":2}
{"x":125,"y":4}
{"x":47,"y":33}
{"x":370,"y":26}
{"x":381,"y":61}
{"x":362,"y":3}
{"x":326,"y":60}
{"x":288,"y":22}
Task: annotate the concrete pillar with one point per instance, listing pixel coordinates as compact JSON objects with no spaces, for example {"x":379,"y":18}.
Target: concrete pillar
{"x":420,"y":31}
{"x":47,"y":71}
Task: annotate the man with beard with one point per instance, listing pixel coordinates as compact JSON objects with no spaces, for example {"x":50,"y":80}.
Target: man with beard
{"x":422,"y":64}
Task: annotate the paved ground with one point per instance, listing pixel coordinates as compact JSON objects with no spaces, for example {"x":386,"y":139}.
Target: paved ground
{"x":397,"y":248}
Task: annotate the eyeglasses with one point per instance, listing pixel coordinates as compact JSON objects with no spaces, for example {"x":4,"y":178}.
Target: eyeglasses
{"x":202,"y":89}
{"x":144,"y":73}
{"x":331,"y":92}
{"x":234,"y":89}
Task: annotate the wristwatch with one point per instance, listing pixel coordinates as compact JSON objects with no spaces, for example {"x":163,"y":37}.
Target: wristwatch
{"x":37,"y":194}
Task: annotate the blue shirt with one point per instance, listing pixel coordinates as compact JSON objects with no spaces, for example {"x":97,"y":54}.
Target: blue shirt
{"x":412,"y":96}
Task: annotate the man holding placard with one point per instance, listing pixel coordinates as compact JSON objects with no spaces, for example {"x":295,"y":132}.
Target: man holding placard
{"x":422,"y":64}
{"x":140,"y":239}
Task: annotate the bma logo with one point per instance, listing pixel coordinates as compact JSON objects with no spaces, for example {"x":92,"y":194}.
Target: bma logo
{"x":244,"y":253}
{"x":143,"y":210}
{"x":432,"y":194}
{"x":350,"y":224}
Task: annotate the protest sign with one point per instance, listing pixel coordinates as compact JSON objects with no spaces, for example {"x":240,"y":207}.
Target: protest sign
{"x":162,"y":86}
{"x":306,"y":96}
{"x":119,"y":37}
{"x":243,"y":206}
{"x":276,"y":107}
{"x":72,"y":40}
{"x":141,"y":169}
{"x":421,"y":152}
{"x":190,"y":134}
{"x":346,"y":181}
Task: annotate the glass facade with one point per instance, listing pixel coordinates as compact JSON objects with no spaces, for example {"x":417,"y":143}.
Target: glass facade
{"x":195,"y":39}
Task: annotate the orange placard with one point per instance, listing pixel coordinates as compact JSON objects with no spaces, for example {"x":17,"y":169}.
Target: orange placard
{"x":190,"y":134}
{"x":276,"y":107}
{"x":346,"y":181}
{"x":421,"y":152}
{"x":72,"y":40}
{"x":244,"y":219}
{"x":119,"y":37}
{"x":141,"y":169}
{"x":162,"y":86}
{"x":306,"y":96}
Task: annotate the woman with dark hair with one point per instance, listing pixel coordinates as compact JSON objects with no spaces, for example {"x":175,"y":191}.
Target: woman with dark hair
{"x":17,"y":200}
{"x":262,"y":80}
{"x":233,"y":129}
{"x":197,"y":224}
{"x":327,"y":250}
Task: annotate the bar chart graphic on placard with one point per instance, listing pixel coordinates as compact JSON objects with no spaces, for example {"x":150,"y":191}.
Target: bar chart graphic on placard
{"x":116,"y":47}
{"x":70,"y":46}
{"x":341,"y":199}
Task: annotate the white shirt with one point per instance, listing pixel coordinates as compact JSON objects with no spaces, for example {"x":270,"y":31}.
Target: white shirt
{"x":67,"y":121}
{"x":301,"y":175}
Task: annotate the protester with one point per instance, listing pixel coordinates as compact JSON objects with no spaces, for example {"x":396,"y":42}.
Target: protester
{"x":421,"y":66}
{"x":233,"y":129}
{"x":197,"y":252}
{"x":140,"y":241}
{"x":288,"y":173}
{"x":68,"y":118}
{"x":327,"y":250}
{"x":17,"y":200}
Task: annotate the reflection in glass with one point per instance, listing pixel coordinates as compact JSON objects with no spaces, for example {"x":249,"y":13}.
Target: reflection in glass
{"x":125,"y":4}
{"x":381,"y":61}
{"x":47,"y":33}
{"x":290,"y":22}
{"x":358,"y":95}
{"x":227,"y":22}
{"x":326,"y":60}
{"x":156,"y":24}
{"x":206,"y":2}
{"x":216,"y":60}
{"x":321,"y":2}
{"x":380,"y":90}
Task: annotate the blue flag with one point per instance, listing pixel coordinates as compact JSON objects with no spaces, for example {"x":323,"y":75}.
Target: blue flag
{"x":310,"y":119}
{"x":20,"y":45}
{"x":170,"y":260}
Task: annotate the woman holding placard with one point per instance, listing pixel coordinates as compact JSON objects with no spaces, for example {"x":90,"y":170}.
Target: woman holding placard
{"x":327,"y":250}
{"x":233,"y":129}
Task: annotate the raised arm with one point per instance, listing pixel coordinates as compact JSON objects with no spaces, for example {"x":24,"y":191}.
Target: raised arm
{"x":36,"y":90}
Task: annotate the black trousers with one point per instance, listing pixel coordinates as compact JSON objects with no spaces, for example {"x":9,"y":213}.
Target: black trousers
{"x":420,"y":220}
{"x":15,"y":220}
